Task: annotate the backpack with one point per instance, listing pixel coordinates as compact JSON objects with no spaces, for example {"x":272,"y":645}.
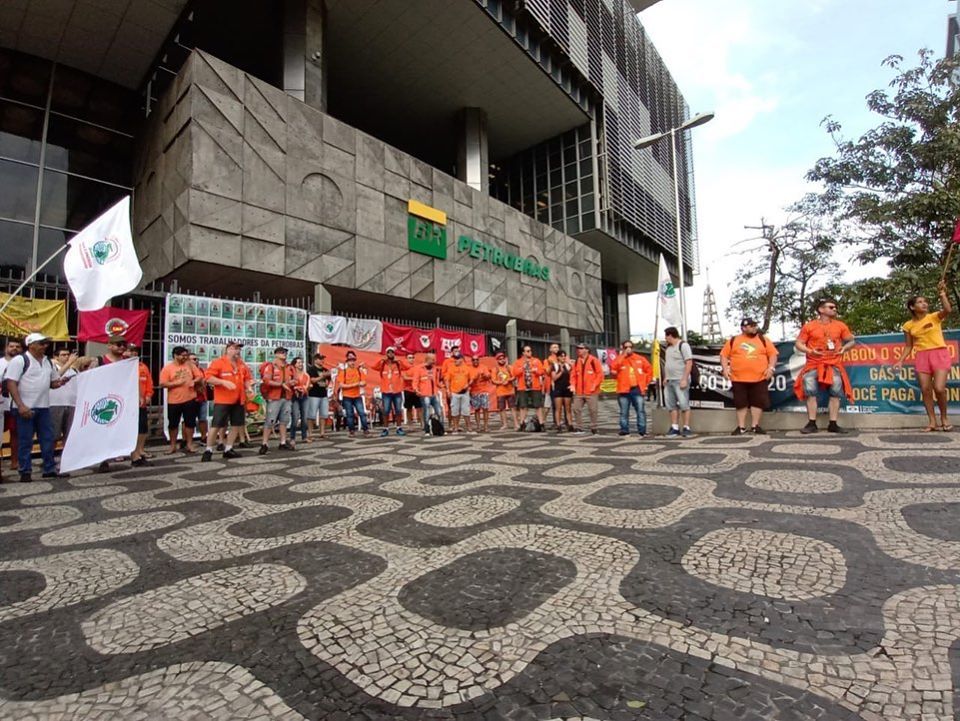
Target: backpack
{"x":533,"y":425}
{"x":436,"y":426}
{"x":694,"y":369}
{"x":4,"y":388}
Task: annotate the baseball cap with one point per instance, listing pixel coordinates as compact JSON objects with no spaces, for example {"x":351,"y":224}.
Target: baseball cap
{"x":35,"y":338}
{"x":500,"y":355}
{"x":114,"y":339}
{"x":390,"y":348}
{"x":235,"y":343}
{"x":279,"y":349}
{"x":581,"y":345}
{"x":748,"y":321}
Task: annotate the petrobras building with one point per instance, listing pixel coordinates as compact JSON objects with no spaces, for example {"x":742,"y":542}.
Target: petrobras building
{"x":467,"y":162}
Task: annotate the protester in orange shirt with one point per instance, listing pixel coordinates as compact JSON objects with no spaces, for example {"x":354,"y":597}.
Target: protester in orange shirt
{"x":456,"y":381}
{"x":529,"y":373}
{"x":505,"y":392}
{"x":145,"y":384}
{"x":585,"y":379}
{"x":633,"y":373}
{"x":824,"y":340}
{"x":411,"y":401}
{"x":426,"y":382}
{"x":181,"y":379}
{"x":232,"y":384}
{"x":277,"y":380}
{"x":481,"y":388}
{"x":749,"y":361}
{"x":351,"y":382}
{"x":391,"y":371}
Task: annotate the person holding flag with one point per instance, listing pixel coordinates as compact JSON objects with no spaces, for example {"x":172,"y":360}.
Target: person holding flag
{"x":923,"y":338}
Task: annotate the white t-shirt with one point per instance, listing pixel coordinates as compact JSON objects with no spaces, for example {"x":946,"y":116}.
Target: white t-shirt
{"x":4,"y":400}
{"x":35,"y":383}
{"x":65,"y":395}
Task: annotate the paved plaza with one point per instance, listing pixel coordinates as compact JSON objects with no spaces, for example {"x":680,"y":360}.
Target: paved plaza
{"x":499,"y":576}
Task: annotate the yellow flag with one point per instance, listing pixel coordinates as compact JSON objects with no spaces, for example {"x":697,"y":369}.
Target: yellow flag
{"x":25,"y":316}
{"x":655,"y":358}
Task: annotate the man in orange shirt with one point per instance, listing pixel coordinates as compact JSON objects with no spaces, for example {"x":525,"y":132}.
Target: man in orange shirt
{"x":232,"y":384}
{"x":505,"y":392}
{"x":456,"y":380}
{"x":181,"y":379}
{"x":481,"y":388}
{"x":529,"y":374}
{"x":277,"y":381}
{"x":633,"y":373}
{"x":411,"y":401}
{"x":145,"y":383}
{"x":426,"y":382}
{"x":351,"y":382}
{"x":585,"y":379}
{"x":824,"y":340}
{"x":749,"y":361}
{"x":391,"y":371}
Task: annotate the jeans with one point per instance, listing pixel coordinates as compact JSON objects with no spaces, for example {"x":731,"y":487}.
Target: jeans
{"x":426,"y":403}
{"x":40,"y":424}
{"x":393,"y":403}
{"x":300,"y":409}
{"x":351,"y":405}
{"x":626,"y":400}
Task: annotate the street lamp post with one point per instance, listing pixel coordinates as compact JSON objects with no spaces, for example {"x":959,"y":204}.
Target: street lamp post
{"x":646,"y":142}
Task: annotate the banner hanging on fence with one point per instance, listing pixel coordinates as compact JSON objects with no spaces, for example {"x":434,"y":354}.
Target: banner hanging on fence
{"x":877,"y":386}
{"x":99,"y":325}
{"x":24,"y":316}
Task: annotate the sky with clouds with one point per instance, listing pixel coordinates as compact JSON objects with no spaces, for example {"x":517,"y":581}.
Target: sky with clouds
{"x":771,"y":71}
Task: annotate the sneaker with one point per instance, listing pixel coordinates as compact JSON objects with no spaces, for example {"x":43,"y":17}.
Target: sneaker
{"x":230,"y":454}
{"x":401,"y":432}
{"x":207,"y":456}
{"x":366,"y":434}
{"x":834,"y":428}
{"x":56,"y":475}
{"x":103,"y":467}
{"x":673,"y":433}
{"x":244,"y":445}
{"x":686,"y":432}
{"x":758,"y":431}
{"x":138,"y":462}
{"x":594,"y":431}
{"x":811,"y":427}
{"x":623,"y":433}
{"x":351,"y":433}
{"x":738,"y":431}
{"x":384,"y":432}
{"x":25,"y":478}
{"x":579,"y":432}
{"x":426,"y":434}
{"x":287,"y":446}
{"x":220,"y":447}
{"x":263,"y":449}
{"x":642,"y":434}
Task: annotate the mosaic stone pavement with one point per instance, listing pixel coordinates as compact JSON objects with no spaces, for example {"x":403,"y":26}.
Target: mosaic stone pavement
{"x":501,"y":576}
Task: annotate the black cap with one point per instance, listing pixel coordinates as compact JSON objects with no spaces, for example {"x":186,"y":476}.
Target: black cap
{"x":748,"y":321}
{"x":279,"y":349}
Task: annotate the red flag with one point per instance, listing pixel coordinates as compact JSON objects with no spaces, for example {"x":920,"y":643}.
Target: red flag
{"x":474,"y":345}
{"x":445,"y":340}
{"x":956,"y":232}
{"x":404,"y":338}
{"x":99,"y":325}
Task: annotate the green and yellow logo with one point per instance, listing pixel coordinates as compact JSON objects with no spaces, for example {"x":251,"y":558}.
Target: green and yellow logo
{"x":426,"y":230}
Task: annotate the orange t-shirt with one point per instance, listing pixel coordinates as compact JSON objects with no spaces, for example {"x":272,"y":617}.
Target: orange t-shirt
{"x":349,"y":376}
{"x":481,"y":382}
{"x":820,"y":336}
{"x":503,"y":380}
{"x":146,"y":385}
{"x":749,"y":356}
{"x":239,"y":375}
{"x":425,"y":380}
{"x":549,"y":365}
{"x":391,"y":375}
{"x":271,"y":372}
{"x":536,"y":370}
{"x":176,"y":372}
{"x":458,"y":377}
{"x":632,"y":371}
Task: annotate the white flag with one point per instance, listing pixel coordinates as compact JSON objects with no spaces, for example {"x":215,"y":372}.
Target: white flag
{"x":667,"y":299}
{"x":106,"y":417}
{"x":327,"y":329}
{"x":365,"y":334}
{"x":101,"y":261}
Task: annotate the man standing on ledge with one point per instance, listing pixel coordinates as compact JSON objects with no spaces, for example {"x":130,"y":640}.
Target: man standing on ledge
{"x":824,"y":340}
{"x":677,"y":370}
{"x":749,"y":361}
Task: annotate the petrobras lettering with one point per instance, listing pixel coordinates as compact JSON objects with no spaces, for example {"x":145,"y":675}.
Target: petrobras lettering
{"x":503,"y":258}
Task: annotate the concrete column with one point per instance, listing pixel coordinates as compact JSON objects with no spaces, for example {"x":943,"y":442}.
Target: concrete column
{"x":304,"y":51}
{"x":473,"y":157}
{"x":511,"y":340}
{"x":623,"y":315}
{"x":322,"y":301}
{"x":565,"y":341}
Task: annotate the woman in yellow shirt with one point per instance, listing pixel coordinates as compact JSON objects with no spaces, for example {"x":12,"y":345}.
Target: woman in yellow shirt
{"x":923,"y":335}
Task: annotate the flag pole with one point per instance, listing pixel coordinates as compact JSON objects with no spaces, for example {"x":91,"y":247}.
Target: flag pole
{"x":946,"y":263}
{"x":33,"y":275}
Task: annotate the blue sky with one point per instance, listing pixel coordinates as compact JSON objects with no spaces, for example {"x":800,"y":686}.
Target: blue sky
{"x":772,"y":71}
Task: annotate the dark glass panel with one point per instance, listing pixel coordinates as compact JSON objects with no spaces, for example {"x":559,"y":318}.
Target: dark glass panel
{"x":89,"y":150}
{"x":16,"y":247}
{"x":83,"y":96}
{"x":18,"y":191}
{"x":21,"y":130}
{"x":48,"y":242}
{"x":24,"y":77}
{"x":70,"y":202}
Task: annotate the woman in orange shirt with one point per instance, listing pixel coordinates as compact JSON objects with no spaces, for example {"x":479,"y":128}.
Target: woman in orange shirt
{"x":923,"y":336}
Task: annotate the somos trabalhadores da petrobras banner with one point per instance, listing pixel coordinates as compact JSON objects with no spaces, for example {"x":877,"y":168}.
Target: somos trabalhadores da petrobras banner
{"x":877,"y":386}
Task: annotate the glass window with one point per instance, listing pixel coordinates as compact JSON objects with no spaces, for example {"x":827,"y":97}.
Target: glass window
{"x":83,"y":96}
{"x":49,"y":241}
{"x":21,"y":130}
{"x":70,"y":202}
{"x":16,"y":246}
{"x":18,"y":191}
{"x":88,"y":150}
{"x":24,"y":77}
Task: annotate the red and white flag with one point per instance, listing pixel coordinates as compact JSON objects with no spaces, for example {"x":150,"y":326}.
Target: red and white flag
{"x":99,"y":325}
{"x":956,"y":232}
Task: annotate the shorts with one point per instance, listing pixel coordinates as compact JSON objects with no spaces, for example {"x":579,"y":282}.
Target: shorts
{"x":934,"y":359}
{"x":529,"y":399}
{"x":506,"y":402}
{"x":411,"y":401}
{"x":751,"y":395}
{"x":203,"y":411}
{"x":142,"y":425}
{"x":186,"y":412}
{"x":318,"y":406}
{"x":233,"y":414}
{"x":278,"y":411}
{"x":561,"y":393}
{"x":480,"y":401}
{"x":675,"y":397}
{"x":459,"y":404}
{"x":811,"y":387}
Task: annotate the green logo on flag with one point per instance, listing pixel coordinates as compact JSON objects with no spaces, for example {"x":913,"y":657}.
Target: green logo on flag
{"x":667,"y":290}
{"x":104,"y":251}
{"x":106,"y":410}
